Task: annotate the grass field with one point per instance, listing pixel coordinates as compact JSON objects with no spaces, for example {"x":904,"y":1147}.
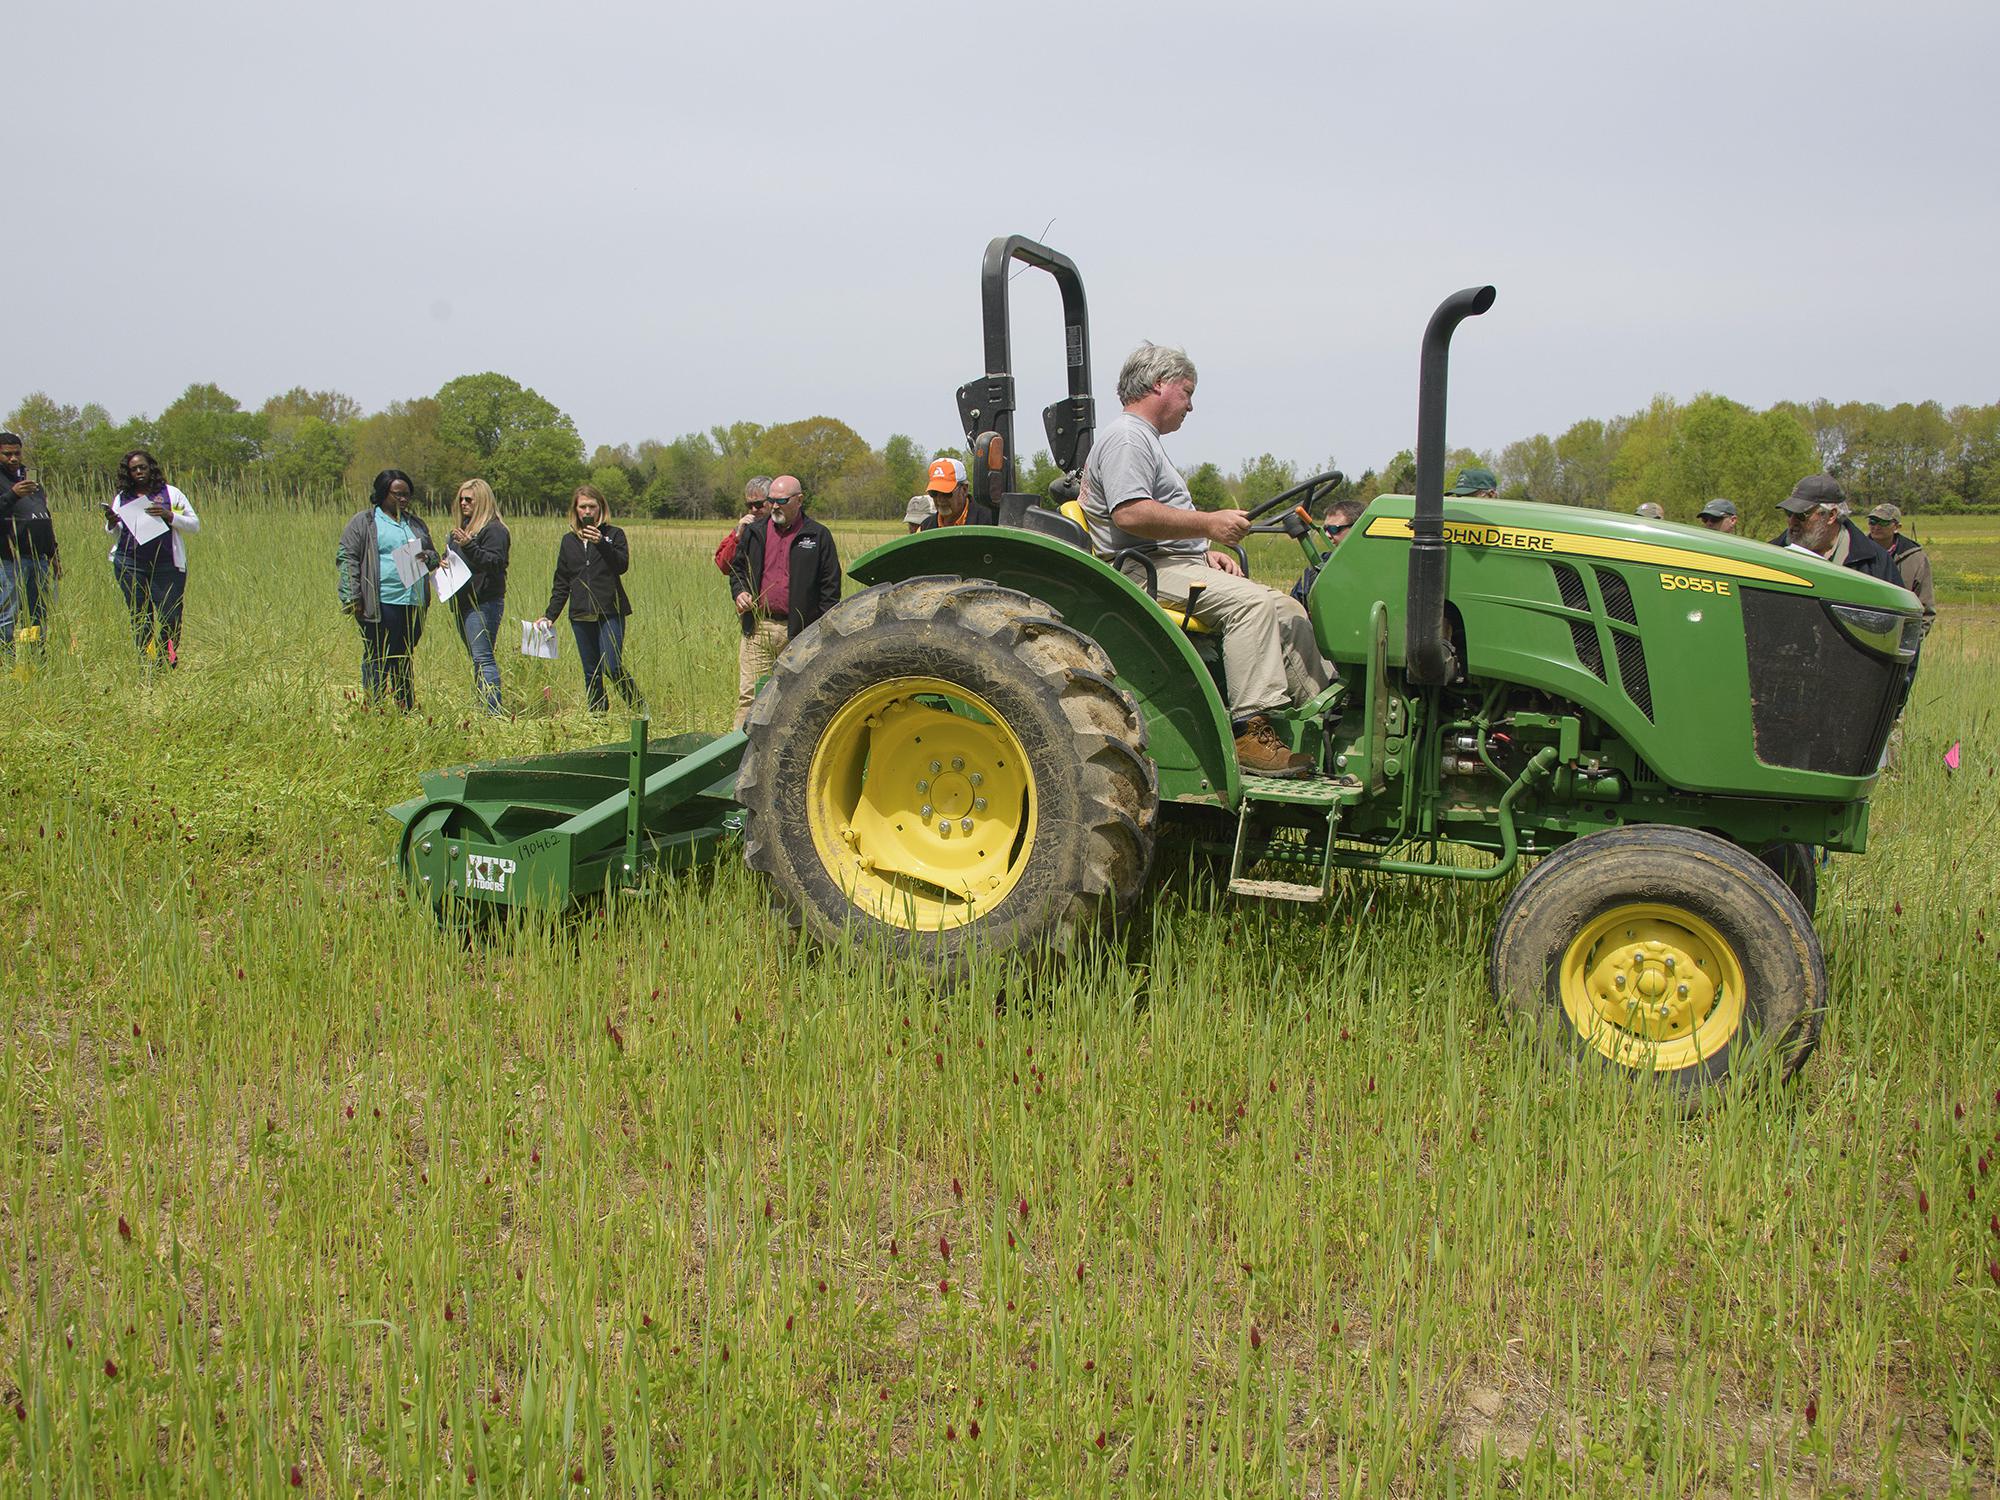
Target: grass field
{"x":302,"y":1190}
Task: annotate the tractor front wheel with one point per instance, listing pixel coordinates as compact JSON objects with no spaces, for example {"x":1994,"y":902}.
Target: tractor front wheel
{"x":943,"y":763}
{"x":1663,"y":951}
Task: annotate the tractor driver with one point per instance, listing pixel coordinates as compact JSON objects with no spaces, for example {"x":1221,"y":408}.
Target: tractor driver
{"x":1133,"y":496}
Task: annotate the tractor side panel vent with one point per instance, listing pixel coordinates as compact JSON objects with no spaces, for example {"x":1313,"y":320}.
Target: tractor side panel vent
{"x":1582,"y":633}
{"x":1617,"y":599}
{"x":1632,"y":671}
{"x":1571,"y":585}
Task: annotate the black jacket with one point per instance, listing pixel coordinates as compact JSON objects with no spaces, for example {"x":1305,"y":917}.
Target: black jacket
{"x":815,"y":573}
{"x":26,"y":528}
{"x":1862,"y":554}
{"x":486,"y":556}
{"x":587,"y":576}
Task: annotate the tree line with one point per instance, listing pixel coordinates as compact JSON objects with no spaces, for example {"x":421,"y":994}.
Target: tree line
{"x":310,"y":446}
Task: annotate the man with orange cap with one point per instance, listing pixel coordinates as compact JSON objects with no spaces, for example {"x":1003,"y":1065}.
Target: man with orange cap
{"x":953,"y":497}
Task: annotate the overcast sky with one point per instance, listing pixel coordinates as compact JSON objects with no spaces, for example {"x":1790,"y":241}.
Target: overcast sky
{"x":667,"y":216}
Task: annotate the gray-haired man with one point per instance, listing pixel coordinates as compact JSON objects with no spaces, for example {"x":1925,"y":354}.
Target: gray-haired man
{"x":1133,"y":496}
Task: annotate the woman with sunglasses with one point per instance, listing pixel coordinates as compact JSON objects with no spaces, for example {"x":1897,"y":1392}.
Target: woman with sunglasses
{"x":151,"y":574}
{"x":481,"y":541}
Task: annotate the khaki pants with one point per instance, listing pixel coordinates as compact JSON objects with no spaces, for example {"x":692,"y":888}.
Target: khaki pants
{"x":754,"y":658}
{"x":1268,"y":651}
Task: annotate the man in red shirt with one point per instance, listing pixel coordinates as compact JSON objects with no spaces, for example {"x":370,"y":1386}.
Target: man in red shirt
{"x":785,"y":575}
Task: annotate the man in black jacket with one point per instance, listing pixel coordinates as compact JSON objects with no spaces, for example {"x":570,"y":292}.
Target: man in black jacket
{"x":1813,"y":524}
{"x":786,"y":574}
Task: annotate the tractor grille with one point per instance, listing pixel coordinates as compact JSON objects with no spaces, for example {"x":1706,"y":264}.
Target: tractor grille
{"x":1631,"y":653}
{"x":1582,"y":633}
{"x":1632,"y":672}
{"x":1617,"y":597}
{"x":1818,"y":701}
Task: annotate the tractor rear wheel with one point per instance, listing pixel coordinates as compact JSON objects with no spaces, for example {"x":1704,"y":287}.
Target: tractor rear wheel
{"x":1663,"y":951}
{"x":942,"y":763}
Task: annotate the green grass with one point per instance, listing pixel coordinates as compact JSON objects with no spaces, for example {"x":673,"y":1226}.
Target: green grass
{"x":654,"y":1199}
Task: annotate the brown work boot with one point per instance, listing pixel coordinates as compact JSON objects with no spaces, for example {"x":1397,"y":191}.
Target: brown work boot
{"x":1260,"y":752}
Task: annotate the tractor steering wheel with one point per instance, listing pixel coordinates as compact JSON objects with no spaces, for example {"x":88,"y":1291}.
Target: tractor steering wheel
{"x":1308,"y":488}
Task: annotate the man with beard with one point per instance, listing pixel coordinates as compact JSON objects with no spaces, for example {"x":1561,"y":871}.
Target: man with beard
{"x":1813,"y":524}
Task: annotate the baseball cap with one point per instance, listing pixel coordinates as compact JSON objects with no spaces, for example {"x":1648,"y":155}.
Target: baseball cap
{"x":920,"y":509}
{"x":1814,"y":490}
{"x":947,"y":474}
{"x":1886,"y":512}
{"x":1651,"y":510}
{"x":1472,"y":481}
{"x":1717,"y":509}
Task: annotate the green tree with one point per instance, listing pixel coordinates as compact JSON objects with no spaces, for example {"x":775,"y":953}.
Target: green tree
{"x":1207,"y":488}
{"x":1528,"y":469}
{"x":1034,"y":477}
{"x":308,"y":456}
{"x":538,"y":470}
{"x":815,"y":451}
{"x":479,"y":413}
{"x":616,"y":486}
{"x":903,"y":465}
{"x":71,"y":444}
{"x":686,"y":479}
{"x":205,"y":433}
{"x":404,"y":435}
{"x":1262,"y":477}
{"x":331,"y":407}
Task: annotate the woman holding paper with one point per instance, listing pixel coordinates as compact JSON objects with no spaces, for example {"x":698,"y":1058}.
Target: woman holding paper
{"x":589,"y":577}
{"x":386,"y":559}
{"x":149,"y":518}
{"x":480,"y":541}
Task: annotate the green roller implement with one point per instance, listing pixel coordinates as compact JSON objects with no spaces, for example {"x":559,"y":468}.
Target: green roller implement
{"x":1001,"y":738}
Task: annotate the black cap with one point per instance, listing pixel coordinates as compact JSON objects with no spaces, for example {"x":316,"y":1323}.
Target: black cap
{"x":1814,"y":490}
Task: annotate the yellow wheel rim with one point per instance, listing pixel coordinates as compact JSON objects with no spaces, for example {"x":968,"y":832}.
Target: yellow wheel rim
{"x":921,"y":804}
{"x":1652,"y":987}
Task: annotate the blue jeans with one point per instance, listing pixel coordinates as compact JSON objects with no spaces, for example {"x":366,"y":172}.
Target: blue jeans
{"x":600,"y":646}
{"x":27,"y":594}
{"x":154,"y":596}
{"x":480,"y":625}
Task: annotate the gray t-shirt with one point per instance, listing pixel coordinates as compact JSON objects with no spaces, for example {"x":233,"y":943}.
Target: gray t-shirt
{"x":1127,"y":462}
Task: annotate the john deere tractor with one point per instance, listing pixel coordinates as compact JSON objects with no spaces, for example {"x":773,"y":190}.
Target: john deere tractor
{"x":1652,"y":725}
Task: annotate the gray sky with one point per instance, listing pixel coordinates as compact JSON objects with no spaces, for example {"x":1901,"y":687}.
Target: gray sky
{"x":668,"y":216}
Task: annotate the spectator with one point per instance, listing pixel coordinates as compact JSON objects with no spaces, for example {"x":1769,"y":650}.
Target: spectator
{"x":152,"y":575}
{"x":1718,"y":515}
{"x":756,"y":503}
{"x":1340,"y":519}
{"x":30,"y":565}
{"x":786,"y":575}
{"x":1913,"y":564}
{"x":1813,"y":524}
{"x":482,"y":542}
{"x":1651,"y":510}
{"x":590,"y":571}
{"x":920,"y":509}
{"x":389,"y":611}
{"x":1475,"y":481}
{"x":951,"y":498}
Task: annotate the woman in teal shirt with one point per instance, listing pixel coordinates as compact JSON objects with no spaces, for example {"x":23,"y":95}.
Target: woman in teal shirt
{"x":389,"y":611}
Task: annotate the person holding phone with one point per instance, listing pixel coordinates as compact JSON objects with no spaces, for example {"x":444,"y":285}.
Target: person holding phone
{"x":481,"y":540}
{"x":29,"y":562}
{"x":590,"y":569}
{"x":151,"y":573}
{"x":389,"y":611}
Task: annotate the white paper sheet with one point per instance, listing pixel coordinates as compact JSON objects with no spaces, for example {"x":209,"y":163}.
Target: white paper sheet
{"x":538,"y":640}
{"x":452,"y":575}
{"x":132,"y":515}
{"x":409,"y":567}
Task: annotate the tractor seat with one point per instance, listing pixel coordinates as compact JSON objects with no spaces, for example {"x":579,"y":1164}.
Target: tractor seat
{"x":1073,"y":509}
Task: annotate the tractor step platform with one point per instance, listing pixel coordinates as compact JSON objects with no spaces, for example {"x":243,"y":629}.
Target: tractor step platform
{"x":1311,"y":806}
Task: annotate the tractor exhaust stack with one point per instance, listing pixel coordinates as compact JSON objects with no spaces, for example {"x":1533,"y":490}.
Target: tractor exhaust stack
{"x":1427,"y":655}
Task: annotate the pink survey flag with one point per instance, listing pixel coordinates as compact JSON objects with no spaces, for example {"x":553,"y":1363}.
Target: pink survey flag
{"x":1951,"y":757}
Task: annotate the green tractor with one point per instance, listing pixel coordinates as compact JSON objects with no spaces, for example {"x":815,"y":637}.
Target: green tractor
{"x":991,"y":744}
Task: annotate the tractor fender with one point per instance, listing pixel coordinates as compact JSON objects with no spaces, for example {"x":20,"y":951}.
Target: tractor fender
{"x":1187,"y":725}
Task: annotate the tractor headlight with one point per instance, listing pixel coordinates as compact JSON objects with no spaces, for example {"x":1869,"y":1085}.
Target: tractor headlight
{"x":1888,"y":631}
